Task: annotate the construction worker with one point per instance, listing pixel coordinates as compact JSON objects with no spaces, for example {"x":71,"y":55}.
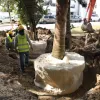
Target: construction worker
{"x":9,"y":41}
{"x":22,"y":43}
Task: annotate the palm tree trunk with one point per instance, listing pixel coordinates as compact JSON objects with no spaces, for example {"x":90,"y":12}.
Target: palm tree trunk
{"x":58,"y":50}
{"x":68,"y":32}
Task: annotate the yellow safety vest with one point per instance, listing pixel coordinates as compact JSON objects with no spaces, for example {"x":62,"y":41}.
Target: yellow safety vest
{"x":23,"y":45}
{"x":10,"y":39}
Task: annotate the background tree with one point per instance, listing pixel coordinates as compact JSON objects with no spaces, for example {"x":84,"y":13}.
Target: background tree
{"x":68,"y":32}
{"x":34,"y":11}
{"x":29,"y":12}
{"x":8,"y":6}
{"x":22,"y":13}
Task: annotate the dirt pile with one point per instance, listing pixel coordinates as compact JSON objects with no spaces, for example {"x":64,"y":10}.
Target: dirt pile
{"x":44,"y":34}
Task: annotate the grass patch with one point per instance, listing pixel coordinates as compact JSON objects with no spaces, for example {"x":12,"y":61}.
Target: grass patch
{"x":96,"y":27}
{"x":78,"y":30}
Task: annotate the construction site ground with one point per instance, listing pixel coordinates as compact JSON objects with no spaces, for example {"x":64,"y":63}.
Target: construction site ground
{"x":15,"y":86}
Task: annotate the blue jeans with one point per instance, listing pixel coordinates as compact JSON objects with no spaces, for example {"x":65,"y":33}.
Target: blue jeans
{"x":24,"y":60}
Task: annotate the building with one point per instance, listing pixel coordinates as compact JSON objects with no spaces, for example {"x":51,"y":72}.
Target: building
{"x":97,"y":7}
{"x":75,"y":8}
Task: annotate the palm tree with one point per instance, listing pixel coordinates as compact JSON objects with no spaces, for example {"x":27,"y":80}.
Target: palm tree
{"x":30,"y":7}
{"x":33,"y":9}
{"x":58,"y":50}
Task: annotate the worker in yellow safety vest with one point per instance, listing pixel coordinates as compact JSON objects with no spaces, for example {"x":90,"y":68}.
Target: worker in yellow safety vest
{"x":22,"y":43}
{"x":9,"y":41}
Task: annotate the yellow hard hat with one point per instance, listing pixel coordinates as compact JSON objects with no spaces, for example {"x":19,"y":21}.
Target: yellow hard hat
{"x":10,"y":32}
{"x":20,"y":27}
{"x":19,"y":23}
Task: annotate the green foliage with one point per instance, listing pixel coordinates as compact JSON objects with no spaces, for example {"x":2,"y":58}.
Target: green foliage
{"x":20,"y":7}
{"x":31,"y":14}
{"x":8,"y":3}
{"x":22,"y":13}
{"x":39,"y":13}
{"x":33,"y":10}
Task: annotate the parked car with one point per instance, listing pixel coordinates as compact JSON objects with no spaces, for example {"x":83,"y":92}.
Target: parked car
{"x":15,"y":19}
{"x":7,"y":19}
{"x":95,"y":18}
{"x":75,"y":18}
{"x":0,"y":21}
{"x":47,"y":19}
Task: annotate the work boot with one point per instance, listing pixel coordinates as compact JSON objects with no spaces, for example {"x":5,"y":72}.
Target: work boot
{"x":22,"y":73}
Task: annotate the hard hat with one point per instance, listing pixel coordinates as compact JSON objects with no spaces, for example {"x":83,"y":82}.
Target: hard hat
{"x":10,"y":32}
{"x":20,"y":27}
{"x":19,"y":23}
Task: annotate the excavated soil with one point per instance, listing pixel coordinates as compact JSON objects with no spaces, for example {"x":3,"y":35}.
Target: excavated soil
{"x":14,"y":85}
{"x":12,"y":81}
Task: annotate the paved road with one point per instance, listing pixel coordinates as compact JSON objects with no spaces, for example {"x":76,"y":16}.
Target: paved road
{"x":7,"y":26}
{"x":48,"y":26}
{"x":52,"y":26}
